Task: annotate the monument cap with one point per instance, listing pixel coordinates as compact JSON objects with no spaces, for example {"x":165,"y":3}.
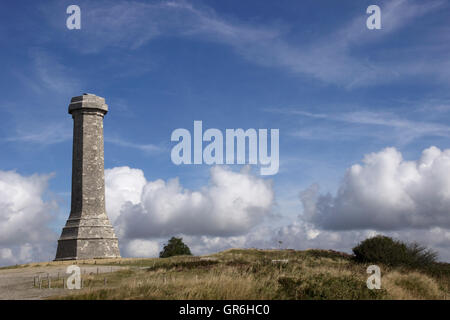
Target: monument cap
{"x":88,"y":101}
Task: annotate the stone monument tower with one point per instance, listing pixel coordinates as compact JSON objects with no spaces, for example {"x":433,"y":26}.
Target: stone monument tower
{"x":88,"y":233}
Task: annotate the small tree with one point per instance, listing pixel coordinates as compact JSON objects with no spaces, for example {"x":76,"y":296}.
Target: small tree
{"x":175,"y":247}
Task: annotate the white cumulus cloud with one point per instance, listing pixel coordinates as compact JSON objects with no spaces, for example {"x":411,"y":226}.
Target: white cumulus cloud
{"x":231,"y":204}
{"x":122,"y":185}
{"x":386,"y":192}
{"x":24,"y":218}
{"x":141,"y":248}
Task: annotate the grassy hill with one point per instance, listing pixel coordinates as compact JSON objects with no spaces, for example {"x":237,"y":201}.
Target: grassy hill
{"x":255,"y":274}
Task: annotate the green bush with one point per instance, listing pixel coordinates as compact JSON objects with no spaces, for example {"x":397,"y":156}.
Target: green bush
{"x":385,"y":250}
{"x":175,"y":247}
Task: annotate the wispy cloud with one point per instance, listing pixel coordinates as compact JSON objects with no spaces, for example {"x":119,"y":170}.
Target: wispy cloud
{"x":133,"y":24}
{"x":332,"y":58}
{"x":46,"y":86}
{"x":45,"y":135}
{"x":53,"y":75}
{"x":46,"y":75}
{"x":56,"y":133}
{"x":405,"y":130}
{"x":147,"y":148}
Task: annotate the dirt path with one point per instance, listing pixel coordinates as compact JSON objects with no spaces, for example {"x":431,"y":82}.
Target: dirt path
{"x":18,"y":283}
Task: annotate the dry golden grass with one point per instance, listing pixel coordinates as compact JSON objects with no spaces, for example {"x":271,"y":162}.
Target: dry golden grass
{"x":412,"y":286}
{"x":251,"y":274}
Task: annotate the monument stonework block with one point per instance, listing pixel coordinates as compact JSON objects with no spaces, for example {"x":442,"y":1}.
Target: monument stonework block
{"x":88,"y":233}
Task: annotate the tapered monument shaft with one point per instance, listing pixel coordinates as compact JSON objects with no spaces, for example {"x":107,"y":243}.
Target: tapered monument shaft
{"x":88,"y":233}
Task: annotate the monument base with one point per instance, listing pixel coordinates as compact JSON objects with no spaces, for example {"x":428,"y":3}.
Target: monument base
{"x":83,"y":249}
{"x":87,"y":238}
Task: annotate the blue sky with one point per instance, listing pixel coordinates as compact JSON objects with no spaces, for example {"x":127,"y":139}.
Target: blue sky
{"x":335,"y":90}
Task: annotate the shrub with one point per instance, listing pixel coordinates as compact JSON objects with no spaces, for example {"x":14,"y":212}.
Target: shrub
{"x":327,"y":287}
{"x":385,"y":250}
{"x":175,"y":247}
{"x":335,"y":255}
{"x":184,"y":265}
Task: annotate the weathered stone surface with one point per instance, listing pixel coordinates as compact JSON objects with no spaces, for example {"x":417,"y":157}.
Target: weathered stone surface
{"x":88,"y":233}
